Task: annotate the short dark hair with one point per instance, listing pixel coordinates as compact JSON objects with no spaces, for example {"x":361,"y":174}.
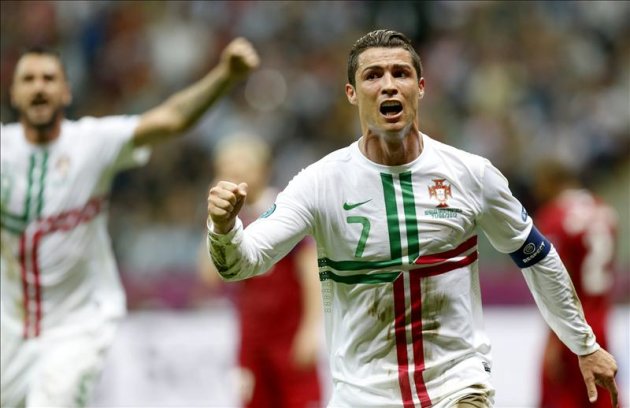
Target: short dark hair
{"x":377,"y":39}
{"x":43,"y":50}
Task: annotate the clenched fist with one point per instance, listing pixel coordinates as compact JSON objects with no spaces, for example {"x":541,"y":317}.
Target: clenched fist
{"x":225,"y":200}
{"x":239,"y":58}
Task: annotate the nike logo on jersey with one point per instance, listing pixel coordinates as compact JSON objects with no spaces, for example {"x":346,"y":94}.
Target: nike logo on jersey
{"x":348,"y":207}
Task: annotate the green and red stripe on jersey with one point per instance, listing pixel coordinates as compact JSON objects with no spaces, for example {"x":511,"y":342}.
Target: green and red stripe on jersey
{"x":407,"y":326}
{"x":400,"y":307}
{"x":31,"y":288}
{"x":34,"y":197}
{"x":430,"y":265}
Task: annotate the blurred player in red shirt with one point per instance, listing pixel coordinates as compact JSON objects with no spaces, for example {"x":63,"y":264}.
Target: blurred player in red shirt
{"x":280,"y":311}
{"x":583,"y":230}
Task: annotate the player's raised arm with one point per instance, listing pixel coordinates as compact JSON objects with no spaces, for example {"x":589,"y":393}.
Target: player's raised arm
{"x":182,"y":110}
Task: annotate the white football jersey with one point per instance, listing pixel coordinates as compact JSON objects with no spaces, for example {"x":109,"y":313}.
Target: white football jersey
{"x":58,"y":269}
{"x":397,"y":249}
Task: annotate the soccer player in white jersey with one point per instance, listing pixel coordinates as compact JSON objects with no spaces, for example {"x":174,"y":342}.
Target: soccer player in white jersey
{"x":61,"y":295}
{"x":396,"y":216}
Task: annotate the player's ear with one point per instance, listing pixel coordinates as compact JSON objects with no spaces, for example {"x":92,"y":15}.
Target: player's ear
{"x":351,"y":94}
{"x":421,"y":88}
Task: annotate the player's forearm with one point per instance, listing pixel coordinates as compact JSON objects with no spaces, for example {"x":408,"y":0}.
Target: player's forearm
{"x":230,"y":256}
{"x":182,"y":110}
{"x":557,"y":300}
{"x":241,"y":253}
{"x":191,"y":103}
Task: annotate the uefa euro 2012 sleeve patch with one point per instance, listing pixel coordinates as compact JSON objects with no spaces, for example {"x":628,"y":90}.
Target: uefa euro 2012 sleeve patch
{"x":268,"y":212}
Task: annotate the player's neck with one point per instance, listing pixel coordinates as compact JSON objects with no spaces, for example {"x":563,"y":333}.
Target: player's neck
{"x":392,"y":150}
{"x":40,"y":135}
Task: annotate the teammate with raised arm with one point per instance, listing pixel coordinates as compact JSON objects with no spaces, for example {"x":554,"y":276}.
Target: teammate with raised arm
{"x":396,"y":216}
{"x":61,"y":294}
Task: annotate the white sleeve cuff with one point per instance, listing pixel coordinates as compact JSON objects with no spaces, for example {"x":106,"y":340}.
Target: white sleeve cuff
{"x":223,"y":238}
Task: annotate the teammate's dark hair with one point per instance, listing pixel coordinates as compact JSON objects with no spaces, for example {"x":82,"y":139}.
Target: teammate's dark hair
{"x":377,"y":39}
{"x":43,"y":50}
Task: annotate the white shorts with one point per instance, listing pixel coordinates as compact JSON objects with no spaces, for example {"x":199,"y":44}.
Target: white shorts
{"x":52,"y":371}
{"x":475,"y":396}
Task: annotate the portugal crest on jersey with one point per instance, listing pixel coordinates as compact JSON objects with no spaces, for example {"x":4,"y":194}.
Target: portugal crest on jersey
{"x":440,"y":192}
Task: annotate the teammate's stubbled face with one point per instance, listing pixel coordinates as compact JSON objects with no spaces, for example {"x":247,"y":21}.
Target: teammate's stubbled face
{"x":39,"y":91}
{"x":387,"y":90}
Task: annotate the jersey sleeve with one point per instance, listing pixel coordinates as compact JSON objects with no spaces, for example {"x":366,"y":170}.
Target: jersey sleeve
{"x":555,"y":296}
{"x":243,"y":253}
{"x":115,"y":139}
{"x":510,"y":230}
{"x":503,"y":218}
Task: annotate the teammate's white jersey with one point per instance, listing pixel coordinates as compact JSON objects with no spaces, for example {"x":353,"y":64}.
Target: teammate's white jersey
{"x":58,"y":269}
{"x":397,"y":250}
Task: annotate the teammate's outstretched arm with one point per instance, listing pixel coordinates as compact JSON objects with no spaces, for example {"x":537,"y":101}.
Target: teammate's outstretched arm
{"x":182,"y":110}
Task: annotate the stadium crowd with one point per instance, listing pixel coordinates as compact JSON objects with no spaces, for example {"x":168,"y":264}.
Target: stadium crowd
{"x":512,"y":81}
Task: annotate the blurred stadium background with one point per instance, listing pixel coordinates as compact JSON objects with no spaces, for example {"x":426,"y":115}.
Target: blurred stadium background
{"x":513,"y":81}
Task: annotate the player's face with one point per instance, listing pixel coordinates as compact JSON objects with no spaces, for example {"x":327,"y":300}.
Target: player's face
{"x":387,"y":90}
{"x":39,"y":91}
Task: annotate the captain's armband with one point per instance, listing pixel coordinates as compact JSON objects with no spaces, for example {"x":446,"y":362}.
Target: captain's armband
{"x":534,"y":249}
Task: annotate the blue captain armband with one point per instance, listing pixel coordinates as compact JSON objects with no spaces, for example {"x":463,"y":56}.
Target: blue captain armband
{"x":534,"y":249}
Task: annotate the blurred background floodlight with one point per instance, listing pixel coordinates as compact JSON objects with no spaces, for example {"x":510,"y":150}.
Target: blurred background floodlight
{"x":266,"y":90}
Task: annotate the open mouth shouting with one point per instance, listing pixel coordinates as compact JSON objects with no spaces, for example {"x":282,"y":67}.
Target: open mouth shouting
{"x":41,"y":111}
{"x":391,"y":109}
{"x":39,"y":101}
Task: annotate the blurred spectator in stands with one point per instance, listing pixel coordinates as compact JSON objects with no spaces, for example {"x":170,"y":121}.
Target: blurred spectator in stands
{"x":507,"y":80}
